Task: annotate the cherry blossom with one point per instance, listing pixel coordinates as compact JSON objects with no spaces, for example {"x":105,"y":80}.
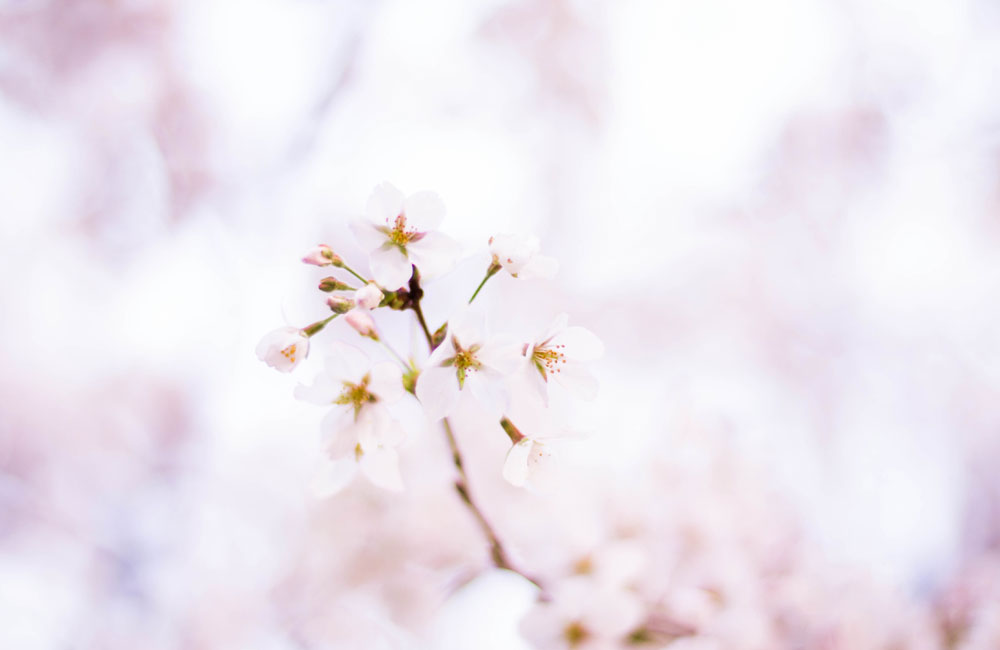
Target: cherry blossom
{"x":284,"y":348}
{"x":362,"y":322}
{"x":359,"y":426}
{"x":519,"y":256}
{"x":560,"y":354}
{"x":582,"y":615}
{"x":466,"y":359}
{"x":400,"y":231}
{"x":368,"y":296}
{"x":322,"y":255}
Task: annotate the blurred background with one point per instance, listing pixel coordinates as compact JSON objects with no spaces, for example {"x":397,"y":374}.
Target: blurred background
{"x":782,"y":217}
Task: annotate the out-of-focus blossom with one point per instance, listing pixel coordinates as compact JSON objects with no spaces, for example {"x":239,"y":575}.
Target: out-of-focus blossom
{"x":519,"y":256}
{"x":322,"y":255}
{"x":359,"y":426}
{"x":368,"y":296}
{"x":399,"y":232}
{"x":583,"y":615}
{"x":284,"y":348}
{"x":560,"y":354}
{"x":467,"y":358}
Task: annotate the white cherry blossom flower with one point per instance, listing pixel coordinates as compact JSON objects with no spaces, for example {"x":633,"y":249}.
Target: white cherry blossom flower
{"x":560,"y":354}
{"x":368,"y":296}
{"x":582,"y":615}
{"x":525,"y":460}
{"x":466,"y":359}
{"x":284,"y":348}
{"x":359,"y":427}
{"x":400,"y":231}
{"x":519,"y":256}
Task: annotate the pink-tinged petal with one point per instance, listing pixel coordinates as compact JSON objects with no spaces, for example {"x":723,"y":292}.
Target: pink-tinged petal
{"x":539,"y":267}
{"x":613,"y":613}
{"x":515,"y":466}
{"x":513,"y":252}
{"x":332,"y":477}
{"x":539,"y":459}
{"x":504,"y":359}
{"x":346,"y":363}
{"x":544,"y":626}
{"x":488,"y":389}
{"x":434,"y":254}
{"x":438,"y":391}
{"x":581,"y":344}
{"x":368,"y":296}
{"x":575,"y":378}
{"x":367,"y":235}
{"x":424,"y":211}
{"x":381,"y":467}
{"x":361,"y":321}
{"x":384,"y":204}
{"x":620,"y":563}
{"x":557,"y":325}
{"x":322,"y":392}
{"x":390,"y":267}
{"x":341,"y":432}
{"x":386,"y":382}
{"x":468,"y":327}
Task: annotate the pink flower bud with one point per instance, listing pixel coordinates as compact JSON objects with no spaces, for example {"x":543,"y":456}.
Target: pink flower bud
{"x":368,"y":296}
{"x":322,"y":255}
{"x":340,"y":304}
{"x":362,"y":323}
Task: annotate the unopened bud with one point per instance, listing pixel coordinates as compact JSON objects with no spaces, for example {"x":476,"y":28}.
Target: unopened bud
{"x":368,"y":296}
{"x":322,"y":255}
{"x":333,"y":284}
{"x":339,"y":304}
{"x":362,"y":322}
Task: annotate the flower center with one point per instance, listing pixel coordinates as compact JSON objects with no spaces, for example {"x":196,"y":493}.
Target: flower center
{"x":575,"y":633}
{"x":356,"y":395}
{"x":548,"y":359}
{"x":289,"y":352}
{"x":465,"y":361}
{"x":398,"y":233}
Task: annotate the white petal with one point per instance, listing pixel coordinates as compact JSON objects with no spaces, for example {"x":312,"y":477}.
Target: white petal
{"x":367,"y":235}
{"x":341,"y":433}
{"x":384,"y":204}
{"x":581,"y":344}
{"x":504,"y":359}
{"x":468,"y":327}
{"x":434,"y":254}
{"x":283,"y":349}
{"x":424,"y":211}
{"x":438,"y":391}
{"x":390,"y":267}
{"x":346,"y":363}
{"x":539,"y":267}
{"x":488,"y":389}
{"x":543,"y":626}
{"x":386,"y":382}
{"x":382,"y":431}
{"x":322,"y":392}
{"x":381,"y":467}
{"x":442,"y":352}
{"x":515,"y":466}
{"x":613,"y":613}
{"x":332,"y":477}
{"x":557,"y":325}
{"x":577,"y":379}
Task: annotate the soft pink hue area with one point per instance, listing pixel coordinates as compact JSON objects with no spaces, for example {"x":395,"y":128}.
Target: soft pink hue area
{"x":782,"y":218}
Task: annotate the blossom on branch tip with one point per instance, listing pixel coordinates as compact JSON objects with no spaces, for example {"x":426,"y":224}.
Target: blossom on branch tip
{"x":519,"y":256}
{"x":401,"y":231}
{"x":560,"y":354}
{"x":283,"y":348}
{"x":465,"y":359}
{"x":322,"y":255}
{"x":368,"y":296}
{"x":359,"y":427}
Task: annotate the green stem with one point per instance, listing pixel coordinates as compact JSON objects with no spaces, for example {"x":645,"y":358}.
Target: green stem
{"x":490,"y":272}
{"x":311,"y":330}
{"x":423,"y":324}
{"x":354,"y":273}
